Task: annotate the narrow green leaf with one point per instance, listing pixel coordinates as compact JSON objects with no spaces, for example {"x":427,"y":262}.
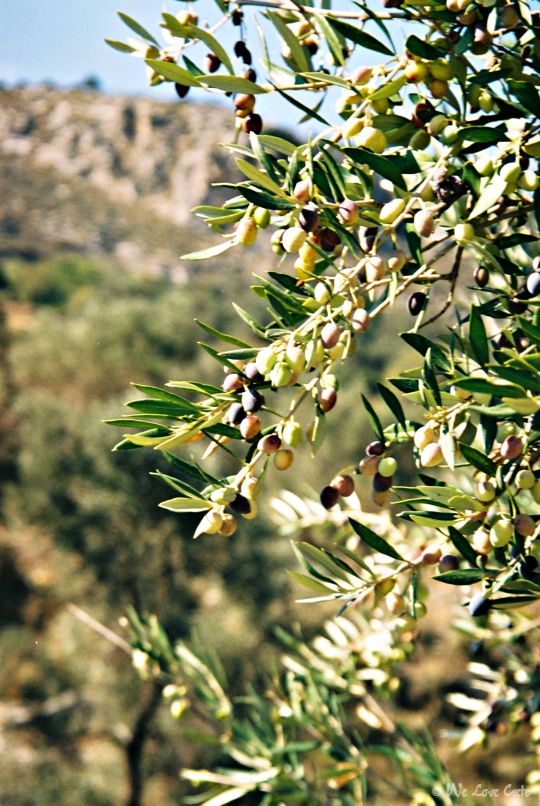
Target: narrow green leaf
{"x":329,"y":33}
{"x":249,"y":320}
{"x":164,"y":407}
{"x":388,"y":89}
{"x":462,"y":545}
{"x":335,"y":80}
{"x":393,"y":404}
{"x":257,"y":176}
{"x":478,"y":459}
{"x":303,"y":108}
{"x":494,"y":190}
{"x":137,"y":28}
{"x":463,"y":576}
{"x":381,"y":165}
{"x":173,"y":72}
{"x":432,"y":518}
{"x":278,"y":144}
{"x":359,"y":37}
{"x":232,"y":84}
{"x":263,"y":199}
{"x":219,"y":334}
{"x":485,"y":386}
{"x":448,"y":448}
{"x":191,"y":31}
{"x":309,"y":582}
{"x":522,"y":377}
{"x":422,"y":49}
{"x":161,"y":394}
{"x":477,"y":336}
{"x":428,"y":373}
{"x":121,"y":46}
{"x":299,"y":53}
{"x":211,"y":251}
{"x":374,"y":420}
{"x":186,"y":504}
{"x":374,"y":541}
{"x":482,"y":134}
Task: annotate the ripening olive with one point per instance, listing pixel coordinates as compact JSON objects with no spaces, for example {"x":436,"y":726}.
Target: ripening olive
{"x":485,"y":492}
{"x":212,"y":522}
{"x":372,"y":138}
{"x":360,"y":321}
{"x":512,"y":447}
{"x":250,"y":426}
{"x":265,"y":360}
{"x":252,"y":373}
{"x":303,"y":190}
{"x":448,"y":562}
{"x":424,"y":222}
{"x":292,"y":433}
{"x":329,"y":497}
{"x":479,"y":606}
{"x":212,"y":63}
{"x":228,"y":526}
{"x":391,"y":210}
{"x":330,"y":335}
{"x":246,"y":232}
{"x":524,"y":525}
{"x":387,"y":466}
{"x":308,"y":218}
{"x":416,"y":303}
{"x":348,"y":212}
{"x":240,"y":504}
{"x":252,"y":400}
{"x":533,"y":284}
{"x":292,"y":239}
{"x":425,"y":435}
{"x":368,"y":465}
{"x":283,"y":459}
{"x":431,"y":455}
{"x":344,"y":484}
{"x":236,"y":414}
{"x":269,"y":443}
{"x":327,"y":399}
{"x":181,"y":89}
{"x":252,"y":124}
{"x":381,"y":483}
{"x":232,"y":382}
{"x":481,"y":276}
{"x":525,"y":479}
{"x":501,"y":533}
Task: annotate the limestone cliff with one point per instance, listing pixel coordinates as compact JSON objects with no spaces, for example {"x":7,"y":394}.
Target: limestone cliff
{"x":108,"y":175}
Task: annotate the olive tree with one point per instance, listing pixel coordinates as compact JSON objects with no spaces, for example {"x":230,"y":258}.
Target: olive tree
{"x":419,"y":181}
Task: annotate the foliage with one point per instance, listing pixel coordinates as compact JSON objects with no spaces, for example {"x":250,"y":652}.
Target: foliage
{"x":467,"y":410}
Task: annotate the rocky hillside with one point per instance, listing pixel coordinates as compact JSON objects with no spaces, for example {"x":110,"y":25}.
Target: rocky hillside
{"x":106,"y":175}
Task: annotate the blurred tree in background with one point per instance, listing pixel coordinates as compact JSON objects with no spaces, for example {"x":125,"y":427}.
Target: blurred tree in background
{"x":81,"y":524}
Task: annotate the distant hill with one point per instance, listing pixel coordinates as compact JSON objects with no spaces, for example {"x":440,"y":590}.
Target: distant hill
{"x":99,"y":174}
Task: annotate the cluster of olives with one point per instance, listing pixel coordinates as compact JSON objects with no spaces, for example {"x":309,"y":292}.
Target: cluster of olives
{"x":381,"y":468}
{"x":341,"y":486}
{"x":306,"y":36}
{"x":435,"y":74}
{"x":250,"y":121}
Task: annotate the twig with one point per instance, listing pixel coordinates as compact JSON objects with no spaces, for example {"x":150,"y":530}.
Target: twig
{"x":452,"y":278}
{"x":91,"y":622}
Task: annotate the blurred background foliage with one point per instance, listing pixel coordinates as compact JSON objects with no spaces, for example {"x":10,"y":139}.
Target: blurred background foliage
{"x":80,"y":524}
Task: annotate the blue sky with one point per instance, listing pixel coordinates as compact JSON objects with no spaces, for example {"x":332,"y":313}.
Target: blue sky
{"x":63,"y":41}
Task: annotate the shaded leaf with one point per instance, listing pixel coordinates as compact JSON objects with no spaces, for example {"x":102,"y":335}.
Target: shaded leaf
{"x":374,"y":540}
